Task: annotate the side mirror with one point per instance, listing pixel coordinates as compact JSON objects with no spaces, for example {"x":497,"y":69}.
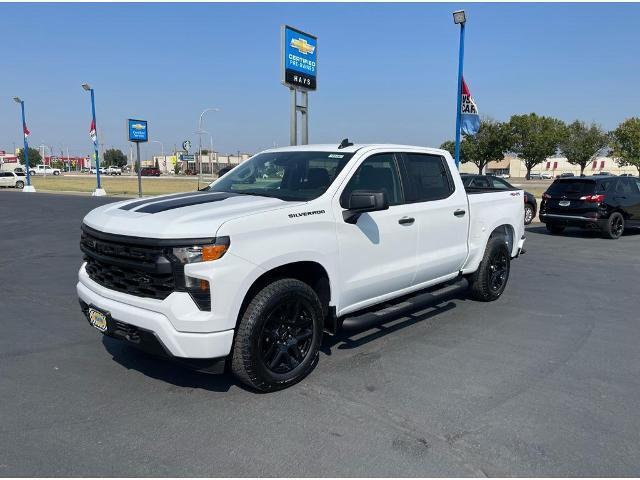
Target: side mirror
{"x":361,"y":201}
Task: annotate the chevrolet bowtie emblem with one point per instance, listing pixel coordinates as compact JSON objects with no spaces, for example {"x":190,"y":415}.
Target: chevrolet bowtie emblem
{"x":302,"y":46}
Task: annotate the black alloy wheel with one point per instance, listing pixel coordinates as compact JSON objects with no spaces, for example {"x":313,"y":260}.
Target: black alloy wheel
{"x":498,"y":270}
{"x":287,"y":336}
{"x":615,"y":226}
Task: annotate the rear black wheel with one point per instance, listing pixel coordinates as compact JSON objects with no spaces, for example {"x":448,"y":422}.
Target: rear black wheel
{"x":615,"y":226}
{"x":555,"y":228}
{"x":20,"y":184}
{"x":279,"y":336}
{"x":489,"y":281}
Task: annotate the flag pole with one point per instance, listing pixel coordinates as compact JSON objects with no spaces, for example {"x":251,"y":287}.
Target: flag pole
{"x":459,"y":102}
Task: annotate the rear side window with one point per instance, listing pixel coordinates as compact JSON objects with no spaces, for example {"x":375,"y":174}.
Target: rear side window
{"x":624,"y":186}
{"x":579,"y":187}
{"x":428,"y":177}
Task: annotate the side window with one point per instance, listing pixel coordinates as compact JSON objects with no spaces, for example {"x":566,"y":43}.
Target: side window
{"x":637,"y":182}
{"x":378,"y":172}
{"x":500,"y":184}
{"x":623,"y":186}
{"x":428,"y":177}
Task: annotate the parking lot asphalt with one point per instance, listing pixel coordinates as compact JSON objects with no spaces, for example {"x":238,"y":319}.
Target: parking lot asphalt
{"x":545,"y":381}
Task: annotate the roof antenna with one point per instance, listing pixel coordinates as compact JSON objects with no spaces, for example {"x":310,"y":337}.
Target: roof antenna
{"x":345,"y":143}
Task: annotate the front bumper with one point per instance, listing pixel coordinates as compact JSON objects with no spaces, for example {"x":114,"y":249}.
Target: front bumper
{"x":573,"y":220}
{"x":184,"y":345}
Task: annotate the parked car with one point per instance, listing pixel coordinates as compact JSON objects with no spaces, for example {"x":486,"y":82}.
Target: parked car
{"x":503,"y":175}
{"x":19,"y":171}
{"x":255,"y":274}
{"x":603,"y":174}
{"x":565,"y":175}
{"x":113,"y":170}
{"x":150,"y":172}
{"x":608,"y":204}
{"x":44,"y":170}
{"x":11,"y":179}
{"x":491,"y":182}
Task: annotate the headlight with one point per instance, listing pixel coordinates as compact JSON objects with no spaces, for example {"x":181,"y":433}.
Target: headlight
{"x":203,"y":253}
{"x":199,"y":289}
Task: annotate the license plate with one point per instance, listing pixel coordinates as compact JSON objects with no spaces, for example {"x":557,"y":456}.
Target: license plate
{"x":97,"y":319}
{"x":564,"y":203}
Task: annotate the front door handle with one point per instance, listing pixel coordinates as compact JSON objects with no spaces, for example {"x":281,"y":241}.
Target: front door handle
{"x":406,"y":220}
{"x":459,"y":213}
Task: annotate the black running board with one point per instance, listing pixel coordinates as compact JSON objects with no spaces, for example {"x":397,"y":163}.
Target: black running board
{"x":385,"y":311}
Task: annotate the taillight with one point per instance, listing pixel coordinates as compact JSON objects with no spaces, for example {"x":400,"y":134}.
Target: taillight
{"x":593,"y":198}
{"x":546,"y":196}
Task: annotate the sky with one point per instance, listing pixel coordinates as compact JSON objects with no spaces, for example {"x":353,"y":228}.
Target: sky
{"x":386,"y":72}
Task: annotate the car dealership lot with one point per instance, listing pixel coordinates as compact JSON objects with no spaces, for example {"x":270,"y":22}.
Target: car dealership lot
{"x":545,"y":381}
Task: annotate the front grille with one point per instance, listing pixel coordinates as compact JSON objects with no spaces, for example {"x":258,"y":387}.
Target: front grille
{"x":143,"y":271}
{"x":130,"y":280}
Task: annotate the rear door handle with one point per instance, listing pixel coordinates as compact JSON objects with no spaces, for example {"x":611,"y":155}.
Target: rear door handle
{"x":406,"y":220}
{"x":459,"y":213}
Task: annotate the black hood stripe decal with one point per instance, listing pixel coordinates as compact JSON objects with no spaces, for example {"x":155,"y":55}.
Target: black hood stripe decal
{"x":186,"y":202}
{"x":147,"y":201}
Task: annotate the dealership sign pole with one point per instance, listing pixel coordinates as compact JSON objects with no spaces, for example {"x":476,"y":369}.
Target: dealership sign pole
{"x":138,"y":133}
{"x":459,"y":18}
{"x":93,"y":133}
{"x":25,"y":134}
{"x":299,"y":73}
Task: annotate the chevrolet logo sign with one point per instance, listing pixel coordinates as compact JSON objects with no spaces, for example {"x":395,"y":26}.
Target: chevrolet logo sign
{"x":137,"y":126}
{"x":302,"y":46}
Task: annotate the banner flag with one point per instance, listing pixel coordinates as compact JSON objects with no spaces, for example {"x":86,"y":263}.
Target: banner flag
{"x":470,"y":118}
{"x":92,"y":132}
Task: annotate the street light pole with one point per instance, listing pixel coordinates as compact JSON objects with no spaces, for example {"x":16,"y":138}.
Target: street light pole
{"x":164,"y":160}
{"x":99,"y":191}
{"x":200,"y":132}
{"x":28,"y":187}
{"x":459,"y":17}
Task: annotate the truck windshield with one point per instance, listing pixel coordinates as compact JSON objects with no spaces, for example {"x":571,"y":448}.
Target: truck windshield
{"x":295,"y":176}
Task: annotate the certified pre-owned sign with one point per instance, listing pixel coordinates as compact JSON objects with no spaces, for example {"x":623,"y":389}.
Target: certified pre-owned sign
{"x":299,"y":62}
{"x":138,"y":130}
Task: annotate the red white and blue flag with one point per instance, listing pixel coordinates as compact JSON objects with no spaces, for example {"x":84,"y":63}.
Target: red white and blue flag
{"x":92,"y":132}
{"x":25,"y":130}
{"x":470,"y":118}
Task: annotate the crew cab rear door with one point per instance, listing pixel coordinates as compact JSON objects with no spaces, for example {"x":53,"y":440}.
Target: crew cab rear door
{"x":440,"y":208}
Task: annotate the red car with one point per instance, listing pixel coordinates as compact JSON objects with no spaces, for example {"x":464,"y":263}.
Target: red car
{"x":150,"y":172}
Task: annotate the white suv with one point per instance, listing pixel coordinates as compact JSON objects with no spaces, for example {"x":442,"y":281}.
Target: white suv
{"x":10,"y":179}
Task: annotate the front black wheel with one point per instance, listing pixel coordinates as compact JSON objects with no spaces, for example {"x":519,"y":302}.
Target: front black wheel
{"x":278,"y":336}
{"x":489,"y":281}
{"x":615,"y":226}
{"x":20,"y":184}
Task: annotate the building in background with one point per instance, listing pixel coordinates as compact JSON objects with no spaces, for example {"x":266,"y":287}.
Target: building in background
{"x":8,"y":161}
{"x":67,"y":164}
{"x":554,"y":166}
{"x":188,"y":164}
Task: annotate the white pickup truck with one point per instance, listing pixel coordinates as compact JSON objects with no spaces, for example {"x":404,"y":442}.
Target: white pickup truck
{"x":113,"y":170}
{"x":44,"y":170}
{"x":251,"y":271}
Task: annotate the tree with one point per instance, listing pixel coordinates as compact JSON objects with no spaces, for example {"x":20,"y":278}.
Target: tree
{"x":114,"y":157}
{"x":466,"y":149}
{"x":34,"y":157}
{"x":625,"y":142}
{"x":490,"y":143}
{"x":581,"y":142}
{"x":534,"y":138}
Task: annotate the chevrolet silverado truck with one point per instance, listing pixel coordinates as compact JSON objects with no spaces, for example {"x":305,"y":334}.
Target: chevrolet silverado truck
{"x":250,"y":272}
